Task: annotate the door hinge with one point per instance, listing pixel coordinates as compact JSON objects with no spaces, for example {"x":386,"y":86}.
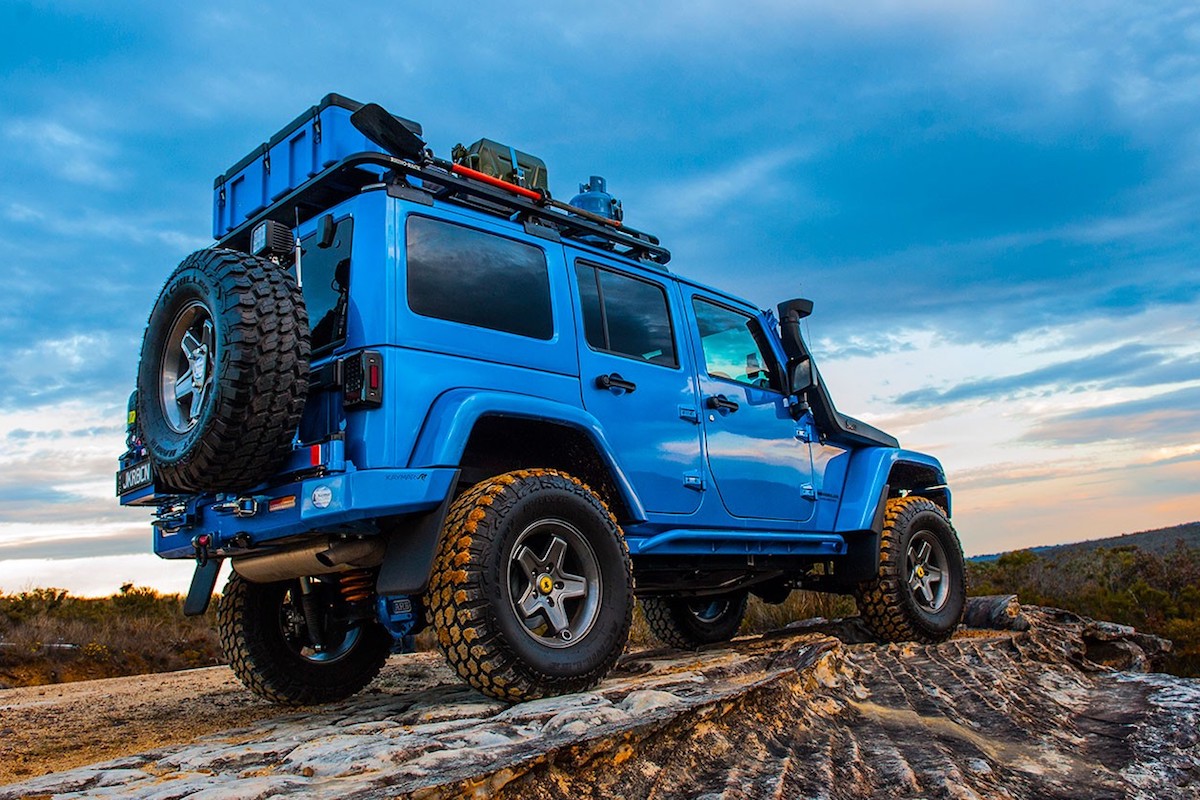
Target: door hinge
{"x":808,"y":491}
{"x":689,"y":414}
{"x":693,"y":480}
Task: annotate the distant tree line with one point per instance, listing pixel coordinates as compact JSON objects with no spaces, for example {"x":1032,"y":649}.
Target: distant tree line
{"x":1157,"y":592}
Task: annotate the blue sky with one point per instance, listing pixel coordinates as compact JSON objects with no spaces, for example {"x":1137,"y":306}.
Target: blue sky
{"x":993,"y":205}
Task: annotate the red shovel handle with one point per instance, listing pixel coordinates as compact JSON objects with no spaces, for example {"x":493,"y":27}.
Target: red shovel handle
{"x":537,"y":197}
{"x":475,"y":174}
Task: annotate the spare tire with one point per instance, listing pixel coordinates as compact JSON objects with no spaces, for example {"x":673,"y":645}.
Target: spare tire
{"x":223,"y":373}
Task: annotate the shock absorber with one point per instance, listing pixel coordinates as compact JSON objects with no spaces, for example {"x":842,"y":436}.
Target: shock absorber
{"x":357,"y":586}
{"x":314,"y":620}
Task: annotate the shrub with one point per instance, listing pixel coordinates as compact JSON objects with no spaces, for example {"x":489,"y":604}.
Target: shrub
{"x":50,"y":636}
{"x":1155,"y":592}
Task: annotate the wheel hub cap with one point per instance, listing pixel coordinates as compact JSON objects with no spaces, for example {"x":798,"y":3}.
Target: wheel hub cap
{"x":554,"y":583}
{"x":186,"y":373}
{"x":928,"y":569}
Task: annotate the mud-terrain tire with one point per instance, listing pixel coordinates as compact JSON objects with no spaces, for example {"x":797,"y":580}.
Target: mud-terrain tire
{"x":920,"y":591}
{"x":525,"y":556}
{"x":691,"y":622}
{"x":223,"y":372}
{"x":257,"y":625}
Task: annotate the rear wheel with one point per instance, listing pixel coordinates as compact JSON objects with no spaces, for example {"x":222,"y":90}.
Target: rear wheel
{"x":532,"y":589}
{"x":689,"y":622}
{"x":271,"y":647}
{"x":920,"y":591}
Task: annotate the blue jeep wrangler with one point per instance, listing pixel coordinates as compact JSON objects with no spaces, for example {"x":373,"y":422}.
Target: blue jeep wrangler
{"x":402,"y":391}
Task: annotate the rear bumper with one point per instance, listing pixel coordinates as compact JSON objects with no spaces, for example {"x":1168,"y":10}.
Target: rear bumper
{"x":338,"y":502}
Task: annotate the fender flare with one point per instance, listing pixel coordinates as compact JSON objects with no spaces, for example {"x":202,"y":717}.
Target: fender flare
{"x":866,"y":478}
{"x":452,"y":416}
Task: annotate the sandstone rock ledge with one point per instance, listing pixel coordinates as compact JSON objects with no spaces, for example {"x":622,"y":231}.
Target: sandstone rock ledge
{"x":1041,"y":704}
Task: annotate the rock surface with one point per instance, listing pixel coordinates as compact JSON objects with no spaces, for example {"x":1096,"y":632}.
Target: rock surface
{"x":1052,"y":706}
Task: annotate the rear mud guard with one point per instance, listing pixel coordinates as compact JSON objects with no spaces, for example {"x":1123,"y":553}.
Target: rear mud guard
{"x":410,"y":551}
{"x":204,"y":580}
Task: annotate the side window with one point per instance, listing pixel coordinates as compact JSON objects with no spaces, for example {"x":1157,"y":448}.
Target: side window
{"x":730,"y":351}
{"x":476,"y":278}
{"x":327,"y":285}
{"x":626,"y":316}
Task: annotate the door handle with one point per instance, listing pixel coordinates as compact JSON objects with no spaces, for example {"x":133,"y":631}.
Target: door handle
{"x":722,"y":403}
{"x":614,"y":381}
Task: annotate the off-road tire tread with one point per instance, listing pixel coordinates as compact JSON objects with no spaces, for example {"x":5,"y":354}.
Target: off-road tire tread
{"x":462,"y":615}
{"x":261,"y":381}
{"x":880,"y":601}
{"x":672,"y":624}
{"x":240,"y":628}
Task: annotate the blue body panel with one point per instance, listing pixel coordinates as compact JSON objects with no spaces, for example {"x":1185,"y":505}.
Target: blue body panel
{"x":453,"y":416}
{"x":655,"y":429}
{"x":695,"y":481}
{"x":354,"y":496}
{"x":760,"y":464}
{"x":866,"y":475}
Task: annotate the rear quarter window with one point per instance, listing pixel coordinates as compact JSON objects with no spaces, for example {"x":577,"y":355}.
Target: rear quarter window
{"x":475,"y":278}
{"x":326,"y":273}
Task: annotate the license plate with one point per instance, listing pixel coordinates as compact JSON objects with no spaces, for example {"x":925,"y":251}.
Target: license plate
{"x":135,"y":477}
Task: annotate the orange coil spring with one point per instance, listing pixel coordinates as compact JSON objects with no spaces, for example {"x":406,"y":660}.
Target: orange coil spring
{"x":357,"y":586}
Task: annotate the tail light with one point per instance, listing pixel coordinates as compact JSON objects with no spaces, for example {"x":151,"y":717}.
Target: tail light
{"x":362,"y":380}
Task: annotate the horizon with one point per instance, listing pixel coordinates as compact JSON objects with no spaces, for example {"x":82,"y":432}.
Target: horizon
{"x":182,"y":591}
{"x":993,"y":206}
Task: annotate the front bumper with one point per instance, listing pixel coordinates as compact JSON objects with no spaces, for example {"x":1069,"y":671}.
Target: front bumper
{"x":338,"y":502}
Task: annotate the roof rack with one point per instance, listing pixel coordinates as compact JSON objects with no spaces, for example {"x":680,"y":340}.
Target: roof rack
{"x":346,"y":178}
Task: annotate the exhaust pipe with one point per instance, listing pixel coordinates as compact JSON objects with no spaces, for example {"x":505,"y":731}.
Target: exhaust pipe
{"x":316,"y":558}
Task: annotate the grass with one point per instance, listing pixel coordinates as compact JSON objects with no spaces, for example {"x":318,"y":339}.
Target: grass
{"x":48,"y":636}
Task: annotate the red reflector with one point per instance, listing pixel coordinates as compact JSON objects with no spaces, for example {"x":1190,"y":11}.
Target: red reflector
{"x":282,"y":503}
{"x":374,"y":378}
{"x":314,"y":455}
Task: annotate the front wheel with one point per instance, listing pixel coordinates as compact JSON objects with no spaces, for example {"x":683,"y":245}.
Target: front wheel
{"x":265,"y":634}
{"x":920,"y":591}
{"x":690,"y":622}
{"x":532,"y":590}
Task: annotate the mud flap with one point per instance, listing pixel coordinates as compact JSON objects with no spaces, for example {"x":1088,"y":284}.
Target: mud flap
{"x":204,"y":580}
{"x":861,"y":562}
{"x":411,"y":548}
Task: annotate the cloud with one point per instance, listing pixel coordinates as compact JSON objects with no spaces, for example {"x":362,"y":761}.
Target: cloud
{"x":70,"y":155}
{"x":853,"y":346}
{"x":102,"y":540}
{"x":77,"y":367}
{"x":95,"y":576}
{"x":1169,"y":419}
{"x":1129,"y":365}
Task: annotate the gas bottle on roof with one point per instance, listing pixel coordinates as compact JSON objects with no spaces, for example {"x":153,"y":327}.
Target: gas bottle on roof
{"x":594,"y":197}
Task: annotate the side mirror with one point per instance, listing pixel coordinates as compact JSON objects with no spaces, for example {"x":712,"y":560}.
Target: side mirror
{"x":800,"y":375}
